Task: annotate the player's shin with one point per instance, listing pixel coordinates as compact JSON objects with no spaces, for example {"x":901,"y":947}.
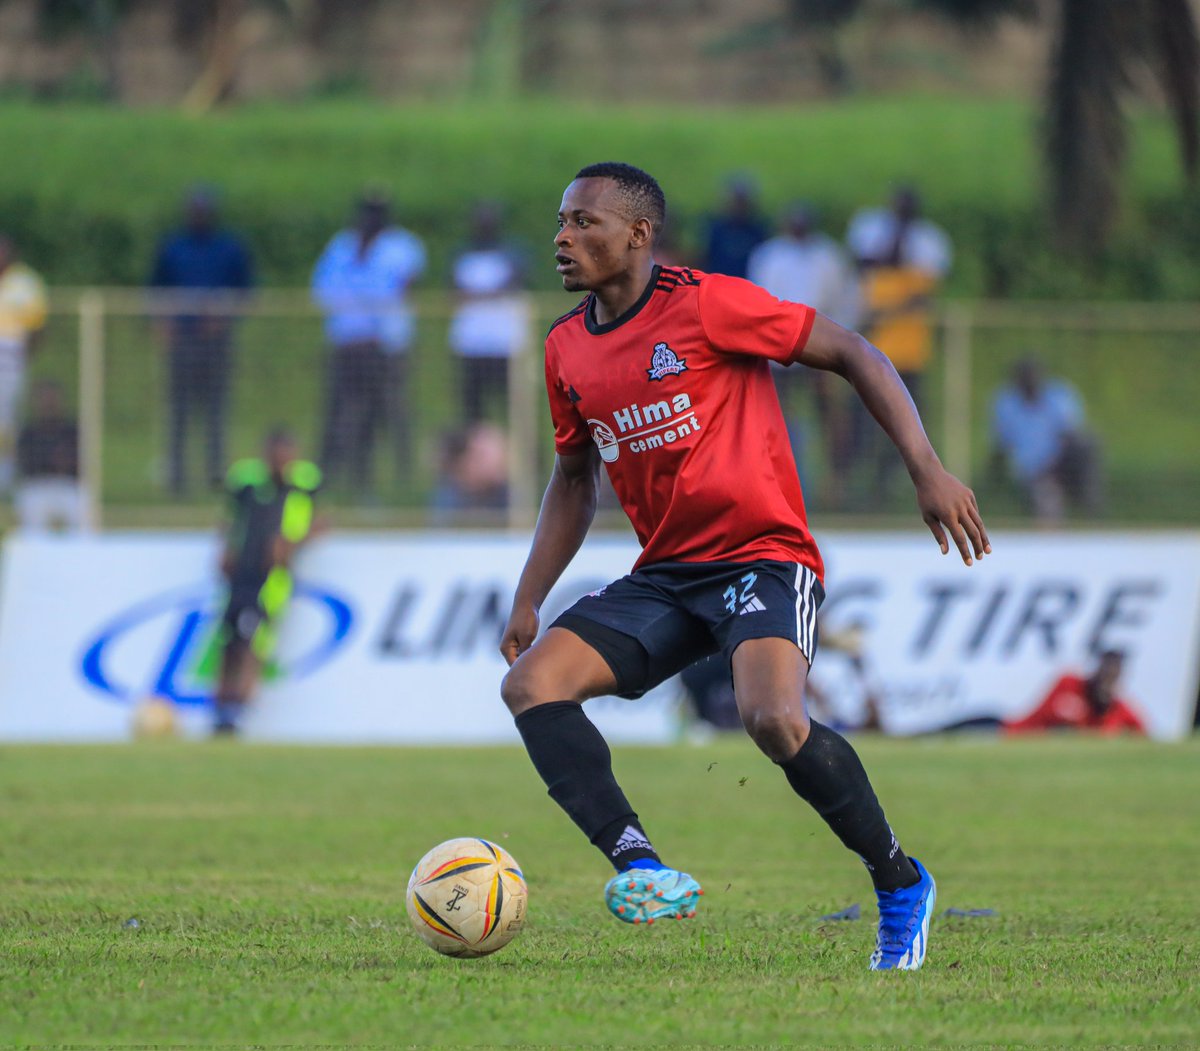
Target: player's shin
{"x":573,"y":759}
{"x":827,"y":774}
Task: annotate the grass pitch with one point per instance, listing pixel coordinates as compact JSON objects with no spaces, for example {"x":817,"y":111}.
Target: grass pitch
{"x":267,"y":888}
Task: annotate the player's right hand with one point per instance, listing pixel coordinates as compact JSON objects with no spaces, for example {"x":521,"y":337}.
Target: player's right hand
{"x":519,"y":632}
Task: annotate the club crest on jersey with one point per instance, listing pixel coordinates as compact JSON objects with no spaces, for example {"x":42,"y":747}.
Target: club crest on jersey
{"x":665,"y":363}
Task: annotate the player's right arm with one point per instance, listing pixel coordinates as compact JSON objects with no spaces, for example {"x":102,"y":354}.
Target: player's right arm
{"x":568,"y":507}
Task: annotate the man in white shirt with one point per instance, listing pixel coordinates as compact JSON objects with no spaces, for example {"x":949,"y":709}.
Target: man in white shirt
{"x":361,"y":281}
{"x":491,"y":321}
{"x":803,"y":265}
{"x":22,"y":317}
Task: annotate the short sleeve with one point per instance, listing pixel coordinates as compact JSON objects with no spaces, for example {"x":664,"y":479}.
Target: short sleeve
{"x":570,"y":429}
{"x":1070,"y":407}
{"x":738,"y":317}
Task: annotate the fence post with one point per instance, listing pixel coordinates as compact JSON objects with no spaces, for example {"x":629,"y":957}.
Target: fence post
{"x":523,"y":437}
{"x":956,"y":401}
{"x":91,"y":402}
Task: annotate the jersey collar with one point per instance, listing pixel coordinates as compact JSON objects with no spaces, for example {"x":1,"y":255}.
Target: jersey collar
{"x":589,"y":313}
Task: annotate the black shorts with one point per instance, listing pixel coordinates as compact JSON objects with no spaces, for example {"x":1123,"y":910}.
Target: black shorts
{"x":243,"y":613}
{"x":657,"y":621}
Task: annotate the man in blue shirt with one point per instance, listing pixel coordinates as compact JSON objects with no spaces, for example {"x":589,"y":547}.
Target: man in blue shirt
{"x":1038,"y":429}
{"x":202,"y":265}
{"x":732,"y":234}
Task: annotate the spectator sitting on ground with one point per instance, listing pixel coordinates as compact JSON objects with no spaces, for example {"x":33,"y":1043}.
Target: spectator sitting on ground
{"x":1079,"y":703}
{"x":49,"y":493}
{"x":734,"y":232}
{"x":473,"y":473}
{"x":491,"y":322}
{"x":1038,"y":429}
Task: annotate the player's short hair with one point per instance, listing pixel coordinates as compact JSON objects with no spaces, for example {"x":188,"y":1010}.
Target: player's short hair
{"x":640,"y":192}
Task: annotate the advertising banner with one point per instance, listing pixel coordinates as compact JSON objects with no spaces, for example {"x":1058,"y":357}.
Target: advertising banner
{"x":393,"y":637}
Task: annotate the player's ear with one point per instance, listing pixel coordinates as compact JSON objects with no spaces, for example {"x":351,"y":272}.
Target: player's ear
{"x":641,"y":233}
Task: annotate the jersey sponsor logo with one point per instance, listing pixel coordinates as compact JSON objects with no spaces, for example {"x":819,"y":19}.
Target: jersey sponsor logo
{"x":645,"y":427}
{"x":606,"y":441}
{"x":665,"y":362}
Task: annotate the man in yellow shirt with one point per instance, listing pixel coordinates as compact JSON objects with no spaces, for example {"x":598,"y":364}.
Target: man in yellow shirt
{"x":22,"y":317}
{"x":902,"y":259}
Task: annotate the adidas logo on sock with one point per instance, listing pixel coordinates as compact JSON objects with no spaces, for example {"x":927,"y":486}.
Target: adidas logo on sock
{"x":753,"y":606}
{"x":630,"y":839}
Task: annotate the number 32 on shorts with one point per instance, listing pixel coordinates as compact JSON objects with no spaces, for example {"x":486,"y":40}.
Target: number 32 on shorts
{"x":733,"y":599}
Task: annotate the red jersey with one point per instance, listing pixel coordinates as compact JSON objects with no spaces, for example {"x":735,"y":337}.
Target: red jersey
{"x":1066,"y":705}
{"x":677,"y":394}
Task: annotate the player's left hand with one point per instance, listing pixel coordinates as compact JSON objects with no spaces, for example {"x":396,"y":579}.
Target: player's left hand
{"x":949,"y":506}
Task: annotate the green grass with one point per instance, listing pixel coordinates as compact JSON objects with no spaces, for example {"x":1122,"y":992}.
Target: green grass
{"x":268,"y":888}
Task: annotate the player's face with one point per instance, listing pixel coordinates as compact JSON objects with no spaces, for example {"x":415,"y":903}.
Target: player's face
{"x":593,"y":242}
{"x":280,"y":453}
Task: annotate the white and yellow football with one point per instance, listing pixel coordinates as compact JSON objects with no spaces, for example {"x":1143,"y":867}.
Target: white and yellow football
{"x":154,"y":718}
{"x":467,"y":898}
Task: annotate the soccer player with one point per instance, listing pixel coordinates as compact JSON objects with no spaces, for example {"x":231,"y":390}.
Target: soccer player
{"x":271,"y":516}
{"x":662,"y":374}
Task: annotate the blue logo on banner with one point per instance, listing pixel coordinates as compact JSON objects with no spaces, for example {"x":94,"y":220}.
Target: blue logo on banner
{"x":182,"y":623}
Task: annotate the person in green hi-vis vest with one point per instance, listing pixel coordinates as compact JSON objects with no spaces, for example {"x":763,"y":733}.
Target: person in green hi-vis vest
{"x":271,"y":515}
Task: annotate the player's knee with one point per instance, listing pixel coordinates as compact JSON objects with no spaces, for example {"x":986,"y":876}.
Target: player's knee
{"x":779,"y":730}
{"x":526,"y":686}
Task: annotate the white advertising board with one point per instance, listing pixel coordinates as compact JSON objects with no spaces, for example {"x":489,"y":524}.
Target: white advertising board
{"x":392,"y":638}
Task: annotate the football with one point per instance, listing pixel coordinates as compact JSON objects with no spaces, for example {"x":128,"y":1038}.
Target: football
{"x":467,"y":898}
{"x":153,"y":718}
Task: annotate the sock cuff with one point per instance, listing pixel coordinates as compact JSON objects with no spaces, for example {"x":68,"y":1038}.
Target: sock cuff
{"x":815,"y":730}
{"x":544,"y":711}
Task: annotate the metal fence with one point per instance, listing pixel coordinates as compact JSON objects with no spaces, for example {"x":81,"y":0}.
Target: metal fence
{"x":1134,"y":366}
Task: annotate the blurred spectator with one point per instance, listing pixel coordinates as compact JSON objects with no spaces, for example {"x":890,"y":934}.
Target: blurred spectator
{"x":270,"y":516}
{"x":49,"y":493}
{"x":734,"y":232}
{"x":491,"y":322}
{"x":361,"y":282}
{"x":205,"y":265}
{"x":473,"y":473}
{"x":22,"y":318}
{"x":1090,"y":703}
{"x":708,"y":686}
{"x":1038,"y":430}
{"x":902,"y":260}
{"x":803,"y":265}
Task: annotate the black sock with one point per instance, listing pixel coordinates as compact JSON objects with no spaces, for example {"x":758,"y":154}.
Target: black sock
{"x":574,"y":761}
{"x":827,"y":774}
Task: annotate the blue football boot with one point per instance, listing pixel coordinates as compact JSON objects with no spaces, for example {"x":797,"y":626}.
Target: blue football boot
{"x":904,"y":917}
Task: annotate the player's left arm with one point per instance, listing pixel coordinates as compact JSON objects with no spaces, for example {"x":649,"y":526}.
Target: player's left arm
{"x":947,"y":506}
